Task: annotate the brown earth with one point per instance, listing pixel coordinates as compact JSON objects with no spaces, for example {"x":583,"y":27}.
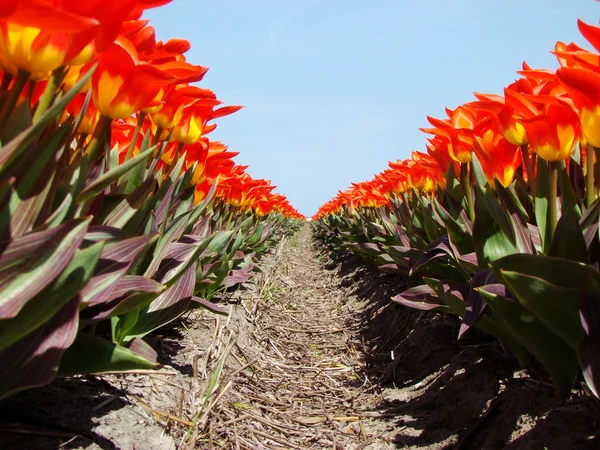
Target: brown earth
{"x":311,"y":356}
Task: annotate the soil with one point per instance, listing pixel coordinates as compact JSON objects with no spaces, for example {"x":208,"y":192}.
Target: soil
{"x":312,"y":355}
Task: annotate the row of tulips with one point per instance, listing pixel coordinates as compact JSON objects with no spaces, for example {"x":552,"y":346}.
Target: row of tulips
{"x":498,"y":222}
{"x":117,"y":213}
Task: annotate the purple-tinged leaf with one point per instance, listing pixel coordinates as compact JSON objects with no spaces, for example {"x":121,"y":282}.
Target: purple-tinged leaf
{"x":391,"y":267}
{"x":25,"y":212}
{"x":209,"y":305}
{"x":438,"y":249}
{"x":534,"y":233}
{"x":18,"y":249}
{"x":475,"y":303}
{"x":135,"y":283}
{"x":19,"y":283}
{"x":125,"y":210}
{"x":143,"y":349}
{"x":131,"y":291}
{"x":589,"y":222}
{"x":98,"y":233}
{"x":164,"y":205}
{"x":202,"y":228}
{"x":114,"y":263}
{"x":174,"y":257}
{"x":182,"y":289}
{"x":167,"y":307}
{"x":420,"y":297}
{"x":172,"y":234}
{"x":33,"y":361}
{"x":367,"y":248}
{"x":237,"y":277}
{"x":51,"y":299}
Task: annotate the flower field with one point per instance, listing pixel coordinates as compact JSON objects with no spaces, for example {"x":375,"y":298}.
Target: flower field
{"x":120,"y":217}
{"x":119,"y":214}
{"x":497,"y":222}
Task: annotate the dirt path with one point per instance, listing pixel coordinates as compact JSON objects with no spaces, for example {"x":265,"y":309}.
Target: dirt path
{"x":308,"y":388}
{"x":312,"y":355}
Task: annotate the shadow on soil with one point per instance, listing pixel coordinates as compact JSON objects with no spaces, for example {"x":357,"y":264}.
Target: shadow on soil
{"x":60,"y":415}
{"x":445,"y":393}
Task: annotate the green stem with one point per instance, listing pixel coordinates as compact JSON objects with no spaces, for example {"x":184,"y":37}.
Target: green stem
{"x":178,"y":152}
{"x":98,"y":138}
{"x":528,"y":168}
{"x":134,"y":137}
{"x":596,"y":171}
{"x":12,"y":98}
{"x":159,"y":131}
{"x":6,"y":79}
{"x":552,"y":198}
{"x":590,"y":189}
{"x":467,"y":189}
{"x":49,"y":93}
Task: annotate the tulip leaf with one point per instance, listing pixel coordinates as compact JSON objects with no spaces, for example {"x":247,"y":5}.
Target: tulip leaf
{"x":568,"y":241}
{"x":12,"y":149}
{"x":542,"y":195}
{"x":33,"y":360}
{"x":92,"y":354}
{"x":589,"y":351}
{"x":113,"y":175}
{"x":556,"y":356}
{"x":114,"y":263}
{"x":21,"y":282}
{"x":136,"y":175}
{"x":130,"y":205}
{"x":48,"y":302}
{"x":549,"y":288}
{"x":490,"y":231}
{"x":166,"y":307}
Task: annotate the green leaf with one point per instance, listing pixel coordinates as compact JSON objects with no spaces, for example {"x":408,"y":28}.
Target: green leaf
{"x":131,"y":205}
{"x":136,"y":175}
{"x":15,"y":147}
{"x":549,"y":288}
{"x":489,"y":230}
{"x":556,"y":356}
{"x":91,"y":354}
{"x":568,"y":241}
{"x":542,"y":195}
{"x":113,"y":175}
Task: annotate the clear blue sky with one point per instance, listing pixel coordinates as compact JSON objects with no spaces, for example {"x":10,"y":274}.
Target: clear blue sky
{"x":334,"y":89}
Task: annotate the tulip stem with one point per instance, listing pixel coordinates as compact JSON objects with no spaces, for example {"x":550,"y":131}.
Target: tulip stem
{"x":552,"y":198}
{"x":12,"y":98}
{"x":467,"y":188}
{"x":98,"y":138}
{"x":178,"y":151}
{"x":528,"y":168}
{"x":6,"y":79}
{"x":49,"y":93}
{"x":590,"y":188}
{"x":134,"y":136}
{"x":159,"y":131}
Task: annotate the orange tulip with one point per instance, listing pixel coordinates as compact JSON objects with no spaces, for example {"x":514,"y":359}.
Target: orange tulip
{"x":499,"y":158}
{"x":583,"y":86}
{"x":122,"y":85}
{"x":552,"y":135}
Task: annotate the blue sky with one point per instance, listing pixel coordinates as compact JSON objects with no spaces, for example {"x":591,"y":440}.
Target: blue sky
{"x":335,"y":89}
